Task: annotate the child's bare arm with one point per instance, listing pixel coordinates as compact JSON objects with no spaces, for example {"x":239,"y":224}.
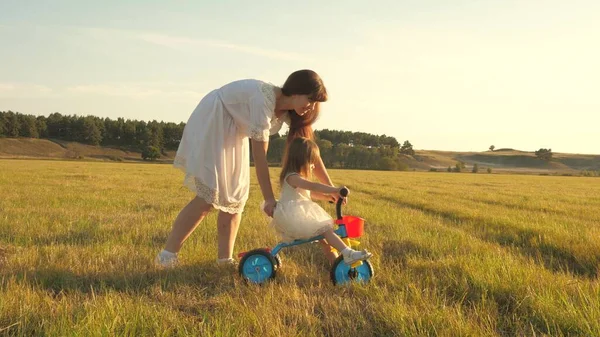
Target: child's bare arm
{"x":297,"y":181}
{"x":320,"y":196}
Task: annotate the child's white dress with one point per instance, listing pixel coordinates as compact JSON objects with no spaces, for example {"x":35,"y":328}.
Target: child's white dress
{"x":296,"y":216}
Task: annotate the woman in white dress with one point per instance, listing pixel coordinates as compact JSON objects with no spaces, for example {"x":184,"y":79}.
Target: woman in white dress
{"x":214,"y":152}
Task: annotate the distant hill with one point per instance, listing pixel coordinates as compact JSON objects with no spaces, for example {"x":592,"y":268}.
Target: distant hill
{"x":32,"y":148}
{"x":502,"y":160}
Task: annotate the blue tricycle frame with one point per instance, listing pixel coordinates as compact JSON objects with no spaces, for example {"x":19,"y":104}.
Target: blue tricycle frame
{"x":261,"y":265}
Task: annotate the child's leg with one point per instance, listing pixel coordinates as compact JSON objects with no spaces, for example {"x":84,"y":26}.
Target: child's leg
{"x":330,"y":254}
{"x":350,"y":255}
{"x":334,"y":240}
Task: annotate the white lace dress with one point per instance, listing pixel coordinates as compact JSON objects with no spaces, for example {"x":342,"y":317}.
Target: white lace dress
{"x":214,"y":152}
{"x":296,"y":216}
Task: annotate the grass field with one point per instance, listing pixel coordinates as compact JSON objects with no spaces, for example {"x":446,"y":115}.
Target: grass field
{"x":455,"y":255}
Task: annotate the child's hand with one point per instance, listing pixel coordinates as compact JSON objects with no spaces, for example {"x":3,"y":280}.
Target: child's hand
{"x":338,"y":195}
{"x":269,"y":207}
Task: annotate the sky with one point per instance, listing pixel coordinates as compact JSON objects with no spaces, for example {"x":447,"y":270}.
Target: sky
{"x":446,"y":75}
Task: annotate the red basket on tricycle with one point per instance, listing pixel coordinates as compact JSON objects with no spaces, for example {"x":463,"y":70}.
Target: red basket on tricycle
{"x":354,"y":225}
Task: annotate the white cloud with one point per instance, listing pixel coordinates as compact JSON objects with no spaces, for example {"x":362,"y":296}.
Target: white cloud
{"x":24,"y":90}
{"x":182,"y":42}
{"x":113,"y":90}
{"x":133,"y":90}
{"x":6,"y":87}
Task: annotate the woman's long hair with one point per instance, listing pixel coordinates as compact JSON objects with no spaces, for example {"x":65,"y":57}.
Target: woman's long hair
{"x":304,"y":82}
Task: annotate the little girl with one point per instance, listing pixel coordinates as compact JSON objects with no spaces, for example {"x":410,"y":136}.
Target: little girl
{"x":296,"y":216}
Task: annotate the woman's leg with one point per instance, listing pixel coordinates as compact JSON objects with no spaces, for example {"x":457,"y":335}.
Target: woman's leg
{"x":185,"y":223}
{"x":227,"y":228}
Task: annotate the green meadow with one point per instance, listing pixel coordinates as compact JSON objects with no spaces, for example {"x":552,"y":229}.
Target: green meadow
{"x":455,"y":254}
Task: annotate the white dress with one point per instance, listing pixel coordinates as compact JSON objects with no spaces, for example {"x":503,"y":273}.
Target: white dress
{"x":214,"y":152}
{"x":296,"y":216}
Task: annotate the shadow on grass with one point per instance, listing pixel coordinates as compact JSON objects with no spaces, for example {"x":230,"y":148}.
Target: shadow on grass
{"x":516,"y":311}
{"x":208,"y":277}
{"x":398,"y":252}
{"x":526,"y":241}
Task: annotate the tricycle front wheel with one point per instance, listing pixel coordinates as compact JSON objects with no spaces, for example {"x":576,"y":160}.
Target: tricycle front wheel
{"x":341,"y":273}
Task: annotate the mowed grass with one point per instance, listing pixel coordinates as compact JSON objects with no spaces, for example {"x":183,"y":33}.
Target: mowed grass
{"x":455,"y":254}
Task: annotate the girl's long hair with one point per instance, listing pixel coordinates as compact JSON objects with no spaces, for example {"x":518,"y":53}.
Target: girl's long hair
{"x":302,"y":152}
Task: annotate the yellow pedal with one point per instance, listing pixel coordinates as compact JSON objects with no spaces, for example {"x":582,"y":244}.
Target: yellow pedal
{"x":356,"y":264}
{"x":354,"y":243}
{"x":351,"y":243}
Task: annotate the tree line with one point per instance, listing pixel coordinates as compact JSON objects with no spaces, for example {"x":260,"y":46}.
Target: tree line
{"x":339,"y":149}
